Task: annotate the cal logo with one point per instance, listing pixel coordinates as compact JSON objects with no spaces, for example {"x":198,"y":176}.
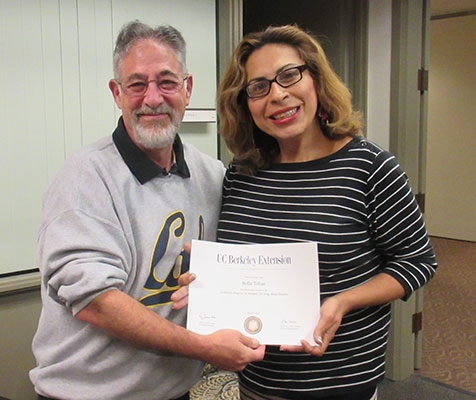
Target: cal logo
{"x":161,"y":290}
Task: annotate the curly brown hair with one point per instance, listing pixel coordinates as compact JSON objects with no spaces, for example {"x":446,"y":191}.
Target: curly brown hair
{"x":252,"y":149}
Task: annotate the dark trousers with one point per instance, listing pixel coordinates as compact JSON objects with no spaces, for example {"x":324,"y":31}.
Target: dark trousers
{"x":186,"y":396}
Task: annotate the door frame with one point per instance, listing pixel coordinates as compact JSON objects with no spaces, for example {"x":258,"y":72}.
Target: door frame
{"x":229,"y":33}
{"x":408,"y":138}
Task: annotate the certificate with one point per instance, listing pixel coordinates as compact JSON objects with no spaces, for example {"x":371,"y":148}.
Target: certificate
{"x":269,"y":292}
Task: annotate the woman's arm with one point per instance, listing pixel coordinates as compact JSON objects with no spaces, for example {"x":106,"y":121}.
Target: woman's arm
{"x":379,"y":290}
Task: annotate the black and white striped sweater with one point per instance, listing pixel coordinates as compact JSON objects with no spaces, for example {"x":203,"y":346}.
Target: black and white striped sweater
{"x":358,"y":206}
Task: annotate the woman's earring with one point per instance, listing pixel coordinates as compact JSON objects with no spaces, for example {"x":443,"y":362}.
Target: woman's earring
{"x":323,"y":116}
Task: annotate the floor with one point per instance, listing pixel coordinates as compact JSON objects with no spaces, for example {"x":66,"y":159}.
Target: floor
{"x":449,"y":316}
{"x":223,"y":385}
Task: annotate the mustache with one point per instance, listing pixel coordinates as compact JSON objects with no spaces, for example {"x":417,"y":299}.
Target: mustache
{"x":162,"y":109}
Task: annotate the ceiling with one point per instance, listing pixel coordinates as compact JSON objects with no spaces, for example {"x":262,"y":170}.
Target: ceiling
{"x":440,"y":7}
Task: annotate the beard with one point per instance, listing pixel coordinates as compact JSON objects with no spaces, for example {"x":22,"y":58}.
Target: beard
{"x":156,"y":135}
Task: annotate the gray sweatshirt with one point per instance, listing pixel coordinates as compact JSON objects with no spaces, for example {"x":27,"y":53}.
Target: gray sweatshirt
{"x":114,"y":220}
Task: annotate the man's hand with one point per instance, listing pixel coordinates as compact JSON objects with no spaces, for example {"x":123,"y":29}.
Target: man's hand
{"x":119,"y":315}
{"x":232,"y":351}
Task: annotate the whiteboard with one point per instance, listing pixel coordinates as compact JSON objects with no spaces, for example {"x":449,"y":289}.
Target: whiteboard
{"x":55,"y":65}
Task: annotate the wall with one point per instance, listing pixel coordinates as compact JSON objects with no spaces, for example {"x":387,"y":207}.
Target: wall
{"x":379,"y":70}
{"x":451,"y":157}
{"x":19,"y":313}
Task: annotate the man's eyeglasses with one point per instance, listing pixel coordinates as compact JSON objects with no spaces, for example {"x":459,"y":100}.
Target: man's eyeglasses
{"x":261,"y":87}
{"x":138,"y":88}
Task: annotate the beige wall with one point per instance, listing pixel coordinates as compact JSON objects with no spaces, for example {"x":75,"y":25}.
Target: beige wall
{"x":451,"y":158}
{"x":19,"y":313}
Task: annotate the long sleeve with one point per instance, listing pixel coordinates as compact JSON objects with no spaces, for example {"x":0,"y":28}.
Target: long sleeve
{"x":397,"y":226}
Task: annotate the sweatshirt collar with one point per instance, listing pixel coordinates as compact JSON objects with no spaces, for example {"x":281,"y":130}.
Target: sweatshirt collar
{"x":141,"y":166}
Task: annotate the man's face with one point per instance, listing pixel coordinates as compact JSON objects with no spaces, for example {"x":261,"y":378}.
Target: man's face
{"x":153,"y":117}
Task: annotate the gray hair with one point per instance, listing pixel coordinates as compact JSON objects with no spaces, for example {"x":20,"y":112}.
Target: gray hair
{"x":136,"y":30}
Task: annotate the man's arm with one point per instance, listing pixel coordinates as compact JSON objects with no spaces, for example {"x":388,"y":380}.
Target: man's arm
{"x":121,"y":316}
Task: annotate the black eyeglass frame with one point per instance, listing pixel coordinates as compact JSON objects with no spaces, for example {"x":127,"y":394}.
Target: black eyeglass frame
{"x":300,"y":68}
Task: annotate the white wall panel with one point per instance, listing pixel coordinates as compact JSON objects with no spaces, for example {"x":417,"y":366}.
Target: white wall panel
{"x":23,"y":172}
{"x":53,"y":89}
{"x":71,"y":95}
{"x":95,"y":68}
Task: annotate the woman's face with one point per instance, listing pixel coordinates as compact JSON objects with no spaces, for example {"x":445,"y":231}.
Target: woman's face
{"x":287,"y":114}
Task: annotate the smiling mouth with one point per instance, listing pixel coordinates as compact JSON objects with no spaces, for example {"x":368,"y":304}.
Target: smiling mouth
{"x":285,"y":114}
{"x":151,"y":114}
{"x":152,"y":117}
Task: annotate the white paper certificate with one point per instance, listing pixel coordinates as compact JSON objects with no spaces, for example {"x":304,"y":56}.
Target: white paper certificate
{"x":270,"y":292}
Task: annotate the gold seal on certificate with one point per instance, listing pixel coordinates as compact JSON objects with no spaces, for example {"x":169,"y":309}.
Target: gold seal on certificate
{"x":253,"y":325}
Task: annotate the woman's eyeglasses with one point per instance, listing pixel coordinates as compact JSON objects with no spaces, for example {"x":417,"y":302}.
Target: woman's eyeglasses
{"x":261,"y":87}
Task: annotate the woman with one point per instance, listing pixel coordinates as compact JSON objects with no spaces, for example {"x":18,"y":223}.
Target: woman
{"x":301,"y":172}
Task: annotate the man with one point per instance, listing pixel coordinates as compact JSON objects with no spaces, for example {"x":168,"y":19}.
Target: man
{"x":111,"y":243}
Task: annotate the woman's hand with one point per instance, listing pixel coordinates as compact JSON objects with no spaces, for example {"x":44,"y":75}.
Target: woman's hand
{"x":381,"y":289}
{"x":330,"y":320}
{"x":180,"y":296}
{"x":332,"y":313}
